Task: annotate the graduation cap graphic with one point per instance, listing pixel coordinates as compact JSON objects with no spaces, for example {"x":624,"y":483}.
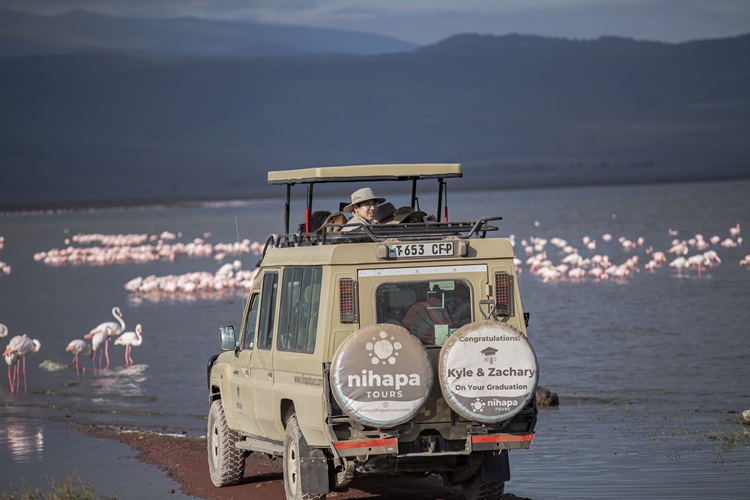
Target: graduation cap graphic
{"x":489,"y":354}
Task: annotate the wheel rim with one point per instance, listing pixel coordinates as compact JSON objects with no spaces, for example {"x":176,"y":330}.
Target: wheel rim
{"x":292,"y":463}
{"x":215,"y":445}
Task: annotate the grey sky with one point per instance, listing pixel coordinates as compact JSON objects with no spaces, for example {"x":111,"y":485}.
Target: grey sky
{"x":427,"y":21}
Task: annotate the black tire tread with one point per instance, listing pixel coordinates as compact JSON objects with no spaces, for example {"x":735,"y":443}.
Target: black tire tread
{"x":232,"y":467}
{"x":475,"y":489}
{"x":294,"y":435}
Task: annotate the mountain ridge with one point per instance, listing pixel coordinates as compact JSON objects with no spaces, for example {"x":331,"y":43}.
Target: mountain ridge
{"x":515,"y":111}
{"x":82,"y":31}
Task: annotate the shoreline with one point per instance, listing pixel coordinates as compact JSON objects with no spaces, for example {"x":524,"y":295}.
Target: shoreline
{"x":89,"y":204}
{"x":183,"y":459}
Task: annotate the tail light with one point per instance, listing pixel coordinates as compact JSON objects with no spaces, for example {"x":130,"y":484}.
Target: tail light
{"x":348,"y":310}
{"x":504,"y":294}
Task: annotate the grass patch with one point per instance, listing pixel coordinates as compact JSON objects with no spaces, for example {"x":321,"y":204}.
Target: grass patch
{"x":72,"y":488}
{"x":729,"y":438}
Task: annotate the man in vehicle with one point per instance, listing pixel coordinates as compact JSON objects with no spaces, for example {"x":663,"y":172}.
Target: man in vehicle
{"x":363,"y":205}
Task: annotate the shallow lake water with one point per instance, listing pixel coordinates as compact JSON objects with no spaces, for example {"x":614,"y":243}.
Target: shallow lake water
{"x":652,"y":370}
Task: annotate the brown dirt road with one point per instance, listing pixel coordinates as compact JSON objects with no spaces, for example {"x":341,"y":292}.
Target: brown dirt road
{"x":184,"y":460}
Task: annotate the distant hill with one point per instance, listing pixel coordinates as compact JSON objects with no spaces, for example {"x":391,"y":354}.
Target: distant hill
{"x":81,"y":31}
{"x":515,"y":110}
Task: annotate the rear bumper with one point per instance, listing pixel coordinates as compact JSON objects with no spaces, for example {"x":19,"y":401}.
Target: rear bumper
{"x":433,"y":445}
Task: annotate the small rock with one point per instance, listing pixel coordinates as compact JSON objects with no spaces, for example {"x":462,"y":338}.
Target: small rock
{"x":52,"y":366}
{"x":545,"y":397}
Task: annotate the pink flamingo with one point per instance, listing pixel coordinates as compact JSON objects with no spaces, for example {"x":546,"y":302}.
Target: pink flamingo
{"x":111,"y":328}
{"x":21,"y":346}
{"x":129,"y":340}
{"x":97,"y":340}
{"x":77,"y":347}
{"x":11,"y":359}
{"x":3,"y":331}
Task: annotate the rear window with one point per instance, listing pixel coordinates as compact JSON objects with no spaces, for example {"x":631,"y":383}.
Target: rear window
{"x":430,"y":310}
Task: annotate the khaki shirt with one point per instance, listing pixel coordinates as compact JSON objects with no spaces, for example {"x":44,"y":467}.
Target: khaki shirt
{"x":354,"y":223}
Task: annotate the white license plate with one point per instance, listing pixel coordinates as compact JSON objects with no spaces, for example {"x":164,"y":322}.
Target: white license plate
{"x":410,"y":250}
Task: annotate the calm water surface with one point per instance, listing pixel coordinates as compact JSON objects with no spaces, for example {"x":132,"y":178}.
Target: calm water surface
{"x":651,"y":371}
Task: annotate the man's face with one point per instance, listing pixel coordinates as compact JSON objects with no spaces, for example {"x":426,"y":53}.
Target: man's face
{"x":366,"y":209}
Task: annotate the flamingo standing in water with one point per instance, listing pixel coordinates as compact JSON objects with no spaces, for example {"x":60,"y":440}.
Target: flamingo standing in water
{"x":97,"y":340}
{"x":22,"y":346}
{"x":11,"y":359}
{"x":111,"y":328}
{"x":129,"y":340}
{"x":77,"y":347}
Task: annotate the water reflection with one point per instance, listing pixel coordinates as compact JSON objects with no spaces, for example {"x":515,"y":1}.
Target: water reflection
{"x":119,"y":383}
{"x":25,"y":442}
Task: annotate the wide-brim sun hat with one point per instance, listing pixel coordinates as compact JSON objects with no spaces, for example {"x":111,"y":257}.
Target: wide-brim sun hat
{"x":360,"y":196}
{"x":384,"y":213}
{"x":404,"y":213}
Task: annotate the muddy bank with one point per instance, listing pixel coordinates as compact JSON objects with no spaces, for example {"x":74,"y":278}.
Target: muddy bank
{"x":184,"y":460}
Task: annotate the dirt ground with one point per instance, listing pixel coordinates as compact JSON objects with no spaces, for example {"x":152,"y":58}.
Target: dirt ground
{"x":184,"y":460}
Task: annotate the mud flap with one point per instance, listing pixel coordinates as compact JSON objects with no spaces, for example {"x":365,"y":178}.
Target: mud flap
{"x":495,"y":467}
{"x":314,"y":473}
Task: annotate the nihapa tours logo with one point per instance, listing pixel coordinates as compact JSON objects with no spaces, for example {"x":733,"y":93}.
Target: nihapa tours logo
{"x":381,"y":375}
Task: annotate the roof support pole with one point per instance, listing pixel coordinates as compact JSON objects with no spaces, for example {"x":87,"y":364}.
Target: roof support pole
{"x":286,"y":208}
{"x":308,"y":211}
{"x":441,"y":185}
{"x":413,"y":192}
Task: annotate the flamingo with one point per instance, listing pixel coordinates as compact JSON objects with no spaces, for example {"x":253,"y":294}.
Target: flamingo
{"x":111,"y":328}
{"x":21,"y":346}
{"x":11,"y":359}
{"x":679,"y":263}
{"x":77,"y":347}
{"x":3,"y":331}
{"x":97,"y":340}
{"x":130,"y":339}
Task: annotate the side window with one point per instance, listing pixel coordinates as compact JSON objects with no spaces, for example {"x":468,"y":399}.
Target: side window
{"x":300,"y":303}
{"x":267,"y":310}
{"x":248,"y":334}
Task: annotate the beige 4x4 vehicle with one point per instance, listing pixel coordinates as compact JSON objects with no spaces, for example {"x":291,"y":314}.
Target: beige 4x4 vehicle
{"x":397,"y":347}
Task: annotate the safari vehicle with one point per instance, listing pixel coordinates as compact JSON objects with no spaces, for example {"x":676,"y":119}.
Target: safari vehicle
{"x":396,"y":347}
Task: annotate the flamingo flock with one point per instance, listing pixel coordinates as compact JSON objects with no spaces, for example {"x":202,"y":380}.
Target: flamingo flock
{"x":696,"y":253}
{"x":103,"y":249}
{"x":21,"y":346}
{"x":100,"y":336}
{"x":227,"y":280}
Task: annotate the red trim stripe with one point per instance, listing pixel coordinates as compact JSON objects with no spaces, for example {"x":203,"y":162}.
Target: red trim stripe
{"x":502,"y":438}
{"x":370,"y":443}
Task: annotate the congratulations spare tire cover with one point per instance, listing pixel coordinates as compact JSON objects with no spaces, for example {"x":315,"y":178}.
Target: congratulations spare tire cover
{"x":381,"y":375}
{"x":488,"y":371}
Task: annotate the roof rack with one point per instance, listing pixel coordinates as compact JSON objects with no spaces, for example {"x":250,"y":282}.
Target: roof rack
{"x":383,"y":232}
{"x":365,"y":173}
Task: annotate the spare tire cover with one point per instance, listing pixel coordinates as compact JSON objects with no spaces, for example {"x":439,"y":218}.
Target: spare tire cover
{"x":488,"y":371}
{"x":381,"y":375}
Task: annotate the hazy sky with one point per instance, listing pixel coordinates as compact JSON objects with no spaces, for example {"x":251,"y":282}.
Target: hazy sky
{"x":427,"y":21}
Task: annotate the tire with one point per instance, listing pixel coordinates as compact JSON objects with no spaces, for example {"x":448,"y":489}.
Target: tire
{"x":226,"y":462}
{"x":293,"y":442}
{"x":475,"y":489}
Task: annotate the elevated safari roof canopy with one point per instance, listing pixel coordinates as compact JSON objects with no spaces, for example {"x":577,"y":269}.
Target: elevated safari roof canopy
{"x":364,"y":173}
